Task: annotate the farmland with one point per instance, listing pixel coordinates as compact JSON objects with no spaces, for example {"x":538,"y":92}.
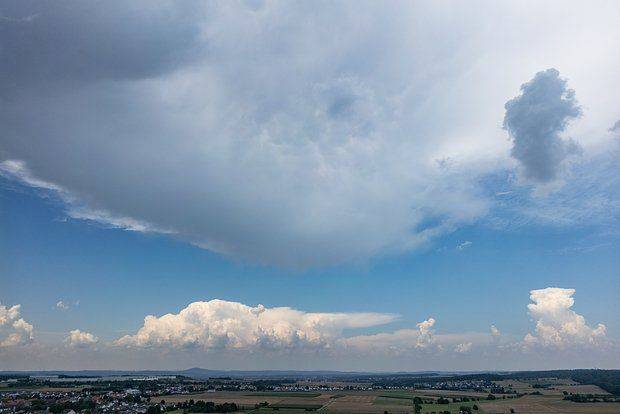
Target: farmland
{"x":548,"y":404}
{"x":378,"y":402}
{"x":521,"y":392}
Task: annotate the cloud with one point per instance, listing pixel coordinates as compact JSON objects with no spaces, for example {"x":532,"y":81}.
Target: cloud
{"x":62,"y":305}
{"x":589,"y":196}
{"x":425,"y":337}
{"x":557,"y":325}
{"x":615,"y":127}
{"x":72,"y":42}
{"x":79,"y":339}
{"x":535,"y":119}
{"x":403,"y":340}
{"x":463,"y":348}
{"x":231,"y":334}
{"x":14,"y":330}
{"x":247,"y":131}
{"x":465,"y":245}
{"x":17,"y":170}
{"x":219,"y":324}
{"x":558,"y":328}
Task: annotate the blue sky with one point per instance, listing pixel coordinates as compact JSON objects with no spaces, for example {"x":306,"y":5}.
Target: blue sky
{"x":90,"y":267}
{"x":411,"y":187}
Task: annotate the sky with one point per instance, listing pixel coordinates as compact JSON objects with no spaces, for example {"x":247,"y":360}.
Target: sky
{"x":309,"y":185}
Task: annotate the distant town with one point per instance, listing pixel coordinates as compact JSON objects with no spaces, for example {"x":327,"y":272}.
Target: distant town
{"x":578,"y":391}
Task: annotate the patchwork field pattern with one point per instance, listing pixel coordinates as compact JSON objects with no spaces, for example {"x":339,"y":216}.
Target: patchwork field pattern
{"x":537,"y":404}
{"x":400,"y":402}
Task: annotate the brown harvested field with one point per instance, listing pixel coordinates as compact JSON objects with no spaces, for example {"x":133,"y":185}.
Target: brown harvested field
{"x":526,"y":387}
{"x":545,"y":404}
{"x":559,"y":385}
{"x":355,"y":402}
{"x":294,"y":401}
{"x":362,"y":404}
{"x":365,"y":402}
{"x":581,"y":389}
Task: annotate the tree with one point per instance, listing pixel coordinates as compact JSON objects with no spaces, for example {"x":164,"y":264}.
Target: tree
{"x":153,"y":409}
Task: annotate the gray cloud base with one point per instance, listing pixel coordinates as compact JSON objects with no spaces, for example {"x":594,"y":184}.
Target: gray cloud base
{"x":230,"y":127}
{"x":535,"y":120}
{"x":281,"y":133}
{"x":75,"y":41}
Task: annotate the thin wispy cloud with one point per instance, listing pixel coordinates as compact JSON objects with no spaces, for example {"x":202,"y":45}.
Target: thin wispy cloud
{"x":464,"y":245}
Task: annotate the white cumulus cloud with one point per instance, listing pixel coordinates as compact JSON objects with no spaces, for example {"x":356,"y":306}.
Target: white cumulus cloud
{"x":557,"y":325}
{"x":14,"y":330}
{"x":219,"y":324}
{"x":80,"y":339}
{"x":463,"y":348}
{"x":425,"y":335}
{"x":62,"y":305}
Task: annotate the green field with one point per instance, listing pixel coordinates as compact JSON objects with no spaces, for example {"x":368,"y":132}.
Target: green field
{"x":384,"y":400}
{"x":292,"y":406}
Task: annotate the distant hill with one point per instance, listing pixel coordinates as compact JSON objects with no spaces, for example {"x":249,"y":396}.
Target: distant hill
{"x":201,"y":373}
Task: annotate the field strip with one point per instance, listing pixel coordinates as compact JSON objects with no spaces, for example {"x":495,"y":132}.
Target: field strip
{"x":327,"y":404}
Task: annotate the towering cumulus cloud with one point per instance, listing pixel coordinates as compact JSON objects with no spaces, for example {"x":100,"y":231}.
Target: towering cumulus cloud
{"x":557,"y":325}
{"x":219,"y":324}
{"x":14,"y":330}
{"x":535,"y":120}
